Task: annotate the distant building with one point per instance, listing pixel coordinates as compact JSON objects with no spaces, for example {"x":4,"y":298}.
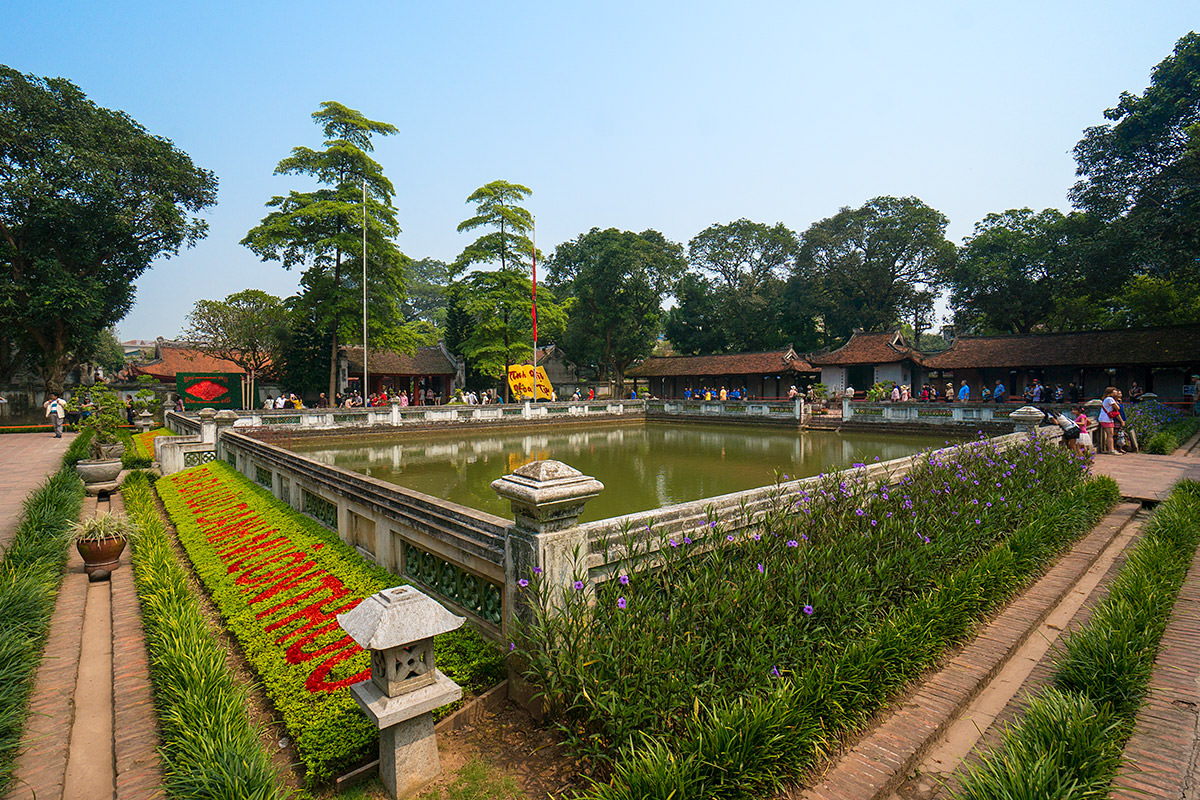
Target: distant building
{"x":172,"y":357}
{"x":767,"y":375}
{"x":433,"y":368}
{"x":867,"y":359}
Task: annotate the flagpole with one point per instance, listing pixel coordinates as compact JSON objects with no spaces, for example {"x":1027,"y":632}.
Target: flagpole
{"x":534,"y":376}
{"x":365,"y":390}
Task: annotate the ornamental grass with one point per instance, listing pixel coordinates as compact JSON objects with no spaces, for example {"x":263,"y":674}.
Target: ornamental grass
{"x":1069,"y":743}
{"x":210,"y":748}
{"x":30,"y":575}
{"x":734,"y":665}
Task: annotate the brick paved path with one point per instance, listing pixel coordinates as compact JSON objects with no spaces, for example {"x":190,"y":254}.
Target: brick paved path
{"x":25,"y":461}
{"x":103,"y":619}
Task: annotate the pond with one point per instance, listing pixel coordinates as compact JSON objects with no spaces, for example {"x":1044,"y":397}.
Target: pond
{"x":642,"y":465}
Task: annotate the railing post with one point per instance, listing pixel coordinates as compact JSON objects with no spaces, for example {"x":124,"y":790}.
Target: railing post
{"x":208,"y":425}
{"x":847,"y":408}
{"x":547,"y":498}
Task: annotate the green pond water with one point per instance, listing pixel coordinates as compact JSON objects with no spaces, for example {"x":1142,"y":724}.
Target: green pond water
{"x":642,"y":465}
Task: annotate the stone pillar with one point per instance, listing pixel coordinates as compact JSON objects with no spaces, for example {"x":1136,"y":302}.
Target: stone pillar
{"x":223,"y":419}
{"x":547,"y":498}
{"x":208,"y":425}
{"x":1025,"y":419}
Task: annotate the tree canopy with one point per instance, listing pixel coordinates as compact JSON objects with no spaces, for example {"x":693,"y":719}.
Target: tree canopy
{"x":88,"y":200}
{"x":866,"y":261}
{"x":507,"y":241}
{"x":322,"y":231}
{"x":617,"y":281}
{"x":248,"y":328}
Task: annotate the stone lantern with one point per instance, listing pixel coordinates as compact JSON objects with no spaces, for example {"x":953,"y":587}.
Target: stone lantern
{"x":1026,"y":418}
{"x":397,"y":627}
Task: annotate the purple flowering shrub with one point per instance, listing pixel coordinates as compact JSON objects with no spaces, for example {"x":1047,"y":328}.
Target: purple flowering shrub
{"x":718,"y":618}
{"x":1151,"y":418}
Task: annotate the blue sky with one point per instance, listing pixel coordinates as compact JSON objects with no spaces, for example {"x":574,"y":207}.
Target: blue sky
{"x":671,"y":116}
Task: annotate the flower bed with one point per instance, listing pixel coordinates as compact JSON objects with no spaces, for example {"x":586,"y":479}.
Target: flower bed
{"x":30,"y":575}
{"x":144,"y":442}
{"x":210,"y":748}
{"x":727,"y":672}
{"x":279,"y":580}
{"x":1073,"y":734}
{"x":1160,"y":429}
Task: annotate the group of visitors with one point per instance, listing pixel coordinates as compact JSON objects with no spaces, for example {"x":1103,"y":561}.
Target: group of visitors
{"x":708,"y":393}
{"x":1115,"y":436}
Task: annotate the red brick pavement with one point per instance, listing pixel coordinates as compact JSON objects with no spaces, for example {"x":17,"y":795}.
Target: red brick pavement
{"x":28,"y":458}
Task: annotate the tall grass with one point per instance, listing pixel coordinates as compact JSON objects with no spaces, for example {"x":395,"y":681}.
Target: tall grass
{"x":30,"y":575}
{"x":1069,"y":743}
{"x":210,"y":748}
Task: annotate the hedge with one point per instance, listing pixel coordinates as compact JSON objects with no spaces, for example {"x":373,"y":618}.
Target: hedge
{"x":279,"y":580}
{"x":1069,"y":743}
{"x":209,"y":746}
{"x":144,"y":442}
{"x":30,"y":575}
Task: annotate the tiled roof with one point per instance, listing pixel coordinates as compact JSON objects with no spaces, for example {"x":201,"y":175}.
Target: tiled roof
{"x":784,"y":360}
{"x":425,"y":361}
{"x":887,"y":347}
{"x":1175,"y":345}
{"x":174,"y":358}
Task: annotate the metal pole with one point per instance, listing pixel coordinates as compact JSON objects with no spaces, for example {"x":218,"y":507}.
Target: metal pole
{"x":366,"y":383}
{"x":534,"y":376}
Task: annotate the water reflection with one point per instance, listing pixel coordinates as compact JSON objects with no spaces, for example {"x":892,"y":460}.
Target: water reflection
{"x":642,"y":466}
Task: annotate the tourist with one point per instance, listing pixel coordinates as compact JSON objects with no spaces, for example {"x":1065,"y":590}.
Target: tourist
{"x":905,"y":393}
{"x":1108,"y":409}
{"x":792,"y":393}
{"x":1135,"y":393}
{"x":1082,"y":421}
{"x":1070,"y":431}
{"x":687,"y":393}
{"x":591,"y":393}
{"x":179,"y":403}
{"x":1074,"y":392}
{"x":270,"y":402}
{"x":56,"y":410}
{"x":404,"y":398}
{"x":984,"y":394}
{"x":724,"y":395}
{"x":949,"y":391}
{"x":896,"y":393}
{"x":1037,"y":393}
{"x":322,"y":401}
{"x":998,"y":392}
{"x":1126,"y":439}
{"x":849,"y":393}
{"x":964,"y":392}
{"x":1058,"y":393}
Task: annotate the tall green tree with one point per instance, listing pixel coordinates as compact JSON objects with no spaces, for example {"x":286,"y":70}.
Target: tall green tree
{"x":617,"y":281}
{"x":499,"y":333}
{"x":322,"y":232}
{"x":88,"y":200}
{"x":1006,"y":276}
{"x":867,"y":259}
{"x":508,"y":226}
{"x":1140,"y":172}
{"x":695,"y":323}
{"x":248,"y":328}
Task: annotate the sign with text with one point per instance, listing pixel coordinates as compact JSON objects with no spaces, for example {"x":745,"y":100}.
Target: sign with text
{"x":520,"y":382}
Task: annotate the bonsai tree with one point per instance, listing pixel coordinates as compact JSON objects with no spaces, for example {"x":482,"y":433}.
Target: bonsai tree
{"x":105,"y":417}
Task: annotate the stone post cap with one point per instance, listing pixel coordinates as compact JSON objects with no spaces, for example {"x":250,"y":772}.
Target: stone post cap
{"x":544,"y":483}
{"x":207,"y":413}
{"x":1026,"y":414}
{"x":226,"y":416}
{"x":145,"y":412}
{"x":396,"y":617}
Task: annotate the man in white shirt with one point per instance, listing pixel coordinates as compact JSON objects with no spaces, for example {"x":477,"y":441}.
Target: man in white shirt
{"x":56,"y":410}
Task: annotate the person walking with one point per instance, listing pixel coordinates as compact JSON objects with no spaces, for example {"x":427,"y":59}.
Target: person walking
{"x":964,"y":392}
{"x":56,"y":410}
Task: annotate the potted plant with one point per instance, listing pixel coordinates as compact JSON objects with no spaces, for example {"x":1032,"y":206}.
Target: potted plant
{"x":100,"y":541}
{"x":101,"y":413}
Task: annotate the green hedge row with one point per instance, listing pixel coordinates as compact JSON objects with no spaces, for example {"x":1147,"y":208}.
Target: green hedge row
{"x":754,"y":746}
{"x":279,"y":579}
{"x":30,"y":575}
{"x":210,"y":748}
{"x":1069,"y":743}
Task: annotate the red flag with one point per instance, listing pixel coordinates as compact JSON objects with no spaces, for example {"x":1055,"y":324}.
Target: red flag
{"x":535,"y":296}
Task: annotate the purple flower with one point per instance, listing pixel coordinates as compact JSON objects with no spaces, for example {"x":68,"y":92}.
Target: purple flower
{"x":977,"y":520}
{"x":760,"y":567}
{"x":687,"y":540}
{"x":522,"y":583}
{"x":874,"y":523}
{"x":511,"y":646}
{"x":578,"y":586}
{"x":793,"y":543}
{"x":621,"y":603}
{"x":926,"y":538}
{"x":858,"y":511}
{"x":785,"y":477}
{"x":537,"y":570}
{"x":624,"y":579}
{"x":775,"y":671}
{"x":673,"y":543}
{"x":712,"y":524}
{"x":808,"y":610}
{"x":757,"y":536}
{"x":729,"y":538}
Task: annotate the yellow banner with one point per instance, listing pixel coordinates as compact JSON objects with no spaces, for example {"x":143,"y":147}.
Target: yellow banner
{"x":520,"y":382}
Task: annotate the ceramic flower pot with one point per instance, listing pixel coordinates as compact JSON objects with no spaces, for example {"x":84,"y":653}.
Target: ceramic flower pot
{"x":101,"y":554}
